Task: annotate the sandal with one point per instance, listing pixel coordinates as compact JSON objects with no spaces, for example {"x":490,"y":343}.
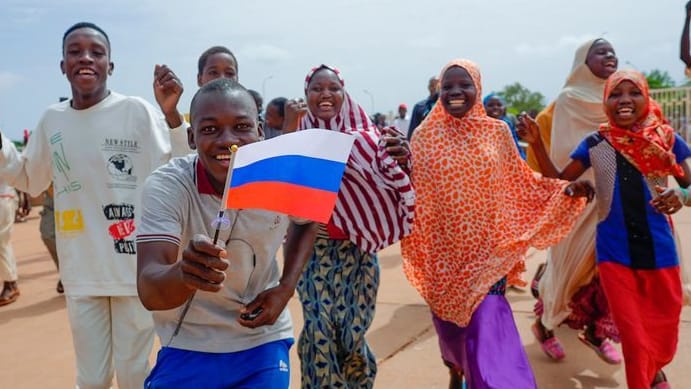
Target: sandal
{"x":660,"y":381}
{"x":550,"y":346}
{"x":534,"y":285}
{"x":606,"y":351}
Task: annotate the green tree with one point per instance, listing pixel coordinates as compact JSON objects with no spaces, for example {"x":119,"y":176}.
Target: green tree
{"x":658,"y":79}
{"x":519,"y":98}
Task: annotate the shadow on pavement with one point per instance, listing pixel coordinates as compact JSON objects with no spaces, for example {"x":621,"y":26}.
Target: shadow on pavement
{"x":38,"y":309}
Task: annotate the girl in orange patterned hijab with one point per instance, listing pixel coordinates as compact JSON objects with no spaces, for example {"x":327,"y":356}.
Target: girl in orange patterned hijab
{"x":478,"y":209}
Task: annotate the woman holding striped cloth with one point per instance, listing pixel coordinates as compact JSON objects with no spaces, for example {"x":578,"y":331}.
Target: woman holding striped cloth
{"x":338,"y":288}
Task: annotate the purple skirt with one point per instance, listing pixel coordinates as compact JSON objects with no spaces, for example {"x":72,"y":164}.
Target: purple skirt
{"x":488,"y":351}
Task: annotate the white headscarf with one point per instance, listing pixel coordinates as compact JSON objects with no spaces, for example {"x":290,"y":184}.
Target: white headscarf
{"x":578,"y":109}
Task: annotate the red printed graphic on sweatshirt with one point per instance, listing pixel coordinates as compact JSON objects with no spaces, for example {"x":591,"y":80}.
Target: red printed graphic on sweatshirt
{"x":121,"y":229}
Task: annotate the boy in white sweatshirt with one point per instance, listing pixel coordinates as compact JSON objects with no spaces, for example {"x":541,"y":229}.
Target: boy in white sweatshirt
{"x":97,"y":148}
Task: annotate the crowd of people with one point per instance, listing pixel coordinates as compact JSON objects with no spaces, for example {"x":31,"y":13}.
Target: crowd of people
{"x":453,"y":182}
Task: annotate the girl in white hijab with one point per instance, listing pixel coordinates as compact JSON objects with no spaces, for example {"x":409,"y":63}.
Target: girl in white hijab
{"x":570,"y":290}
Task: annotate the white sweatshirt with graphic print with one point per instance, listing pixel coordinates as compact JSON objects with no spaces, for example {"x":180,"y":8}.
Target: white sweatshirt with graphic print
{"x":98,"y":159}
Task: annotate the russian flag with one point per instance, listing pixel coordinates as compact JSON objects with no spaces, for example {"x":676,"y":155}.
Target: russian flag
{"x":297,"y":174}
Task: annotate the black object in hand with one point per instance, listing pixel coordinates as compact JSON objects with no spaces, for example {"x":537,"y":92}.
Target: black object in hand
{"x":253,"y":315}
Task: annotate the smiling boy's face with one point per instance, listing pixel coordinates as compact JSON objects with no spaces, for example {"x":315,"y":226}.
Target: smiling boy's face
{"x":86,"y":63}
{"x":221,"y":119}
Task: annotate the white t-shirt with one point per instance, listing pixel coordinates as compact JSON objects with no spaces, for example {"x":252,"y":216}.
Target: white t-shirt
{"x":401,"y":124}
{"x":177,"y":203}
{"x":97,"y":158}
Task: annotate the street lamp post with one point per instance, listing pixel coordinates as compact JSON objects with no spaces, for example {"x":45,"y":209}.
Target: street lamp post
{"x":371,"y":99}
{"x":267,"y":78}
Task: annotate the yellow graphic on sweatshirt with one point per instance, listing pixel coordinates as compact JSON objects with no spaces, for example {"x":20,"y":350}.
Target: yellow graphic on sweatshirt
{"x":69,"y":221}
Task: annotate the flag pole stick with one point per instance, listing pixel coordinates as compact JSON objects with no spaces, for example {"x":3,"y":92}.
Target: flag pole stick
{"x":233,"y":149}
{"x":218,"y":222}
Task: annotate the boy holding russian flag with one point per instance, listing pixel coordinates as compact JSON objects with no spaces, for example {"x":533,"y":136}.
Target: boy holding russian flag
{"x":237,"y":330}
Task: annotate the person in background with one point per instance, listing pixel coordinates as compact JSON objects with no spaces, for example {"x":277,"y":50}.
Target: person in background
{"x":569,"y":289}
{"x":23,"y":208}
{"x":544,"y":120}
{"x":259,"y":100}
{"x":215,"y":62}
{"x":379,"y":120}
{"x":47,"y":230}
{"x":422,"y":108}
{"x":496,"y":108}
{"x":685,"y":47}
{"x":274,"y":117}
{"x":401,"y":122}
{"x":8,"y":264}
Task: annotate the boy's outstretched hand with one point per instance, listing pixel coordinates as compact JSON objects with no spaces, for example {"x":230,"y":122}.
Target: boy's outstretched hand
{"x":168,"y":90}
{"x":669,"y":200}
{"x":527,"y":128}
{"x":581,"y":188}
{"x":203,"y":265}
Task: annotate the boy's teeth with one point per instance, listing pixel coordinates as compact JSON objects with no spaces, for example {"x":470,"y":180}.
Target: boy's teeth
{"x":221,"y":157}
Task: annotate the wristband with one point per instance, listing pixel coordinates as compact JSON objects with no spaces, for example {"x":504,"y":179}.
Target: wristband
{"x":685,"y":193}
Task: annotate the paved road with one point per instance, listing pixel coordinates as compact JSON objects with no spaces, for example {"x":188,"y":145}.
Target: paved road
{"x":36,"y":349}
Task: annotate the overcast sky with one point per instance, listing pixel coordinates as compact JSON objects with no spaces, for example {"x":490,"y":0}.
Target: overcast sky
{"x":386,"y":49}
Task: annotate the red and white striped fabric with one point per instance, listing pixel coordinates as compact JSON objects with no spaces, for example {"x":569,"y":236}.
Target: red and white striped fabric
{"x":376,"y":200}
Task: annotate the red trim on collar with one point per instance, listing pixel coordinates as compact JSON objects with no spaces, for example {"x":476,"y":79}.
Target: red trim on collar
{"x":203,"y":183}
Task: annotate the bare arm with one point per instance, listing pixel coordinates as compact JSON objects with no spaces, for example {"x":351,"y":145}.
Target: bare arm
{"x":270,"y":303}
{"x":671,"y":200}
{"x":167,"y":90}
{"x":529,"y":130}
{"x":31,"y":171}
{"x":163,"y":282}
{"x":684,"y":181}
{"x":684,"y":53}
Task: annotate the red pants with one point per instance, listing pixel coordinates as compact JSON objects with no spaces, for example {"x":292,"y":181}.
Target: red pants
{"x":646,"y":307}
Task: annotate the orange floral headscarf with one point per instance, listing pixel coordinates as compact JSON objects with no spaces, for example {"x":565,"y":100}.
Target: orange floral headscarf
{"x":648,"y":144}
{"x":478,"y":207}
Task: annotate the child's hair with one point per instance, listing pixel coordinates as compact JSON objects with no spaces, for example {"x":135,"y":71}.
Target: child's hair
{"x":211,"y":51}
{"x":79,"y":25}
{"x":280,"y":103}
{"x":220,"y":86}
